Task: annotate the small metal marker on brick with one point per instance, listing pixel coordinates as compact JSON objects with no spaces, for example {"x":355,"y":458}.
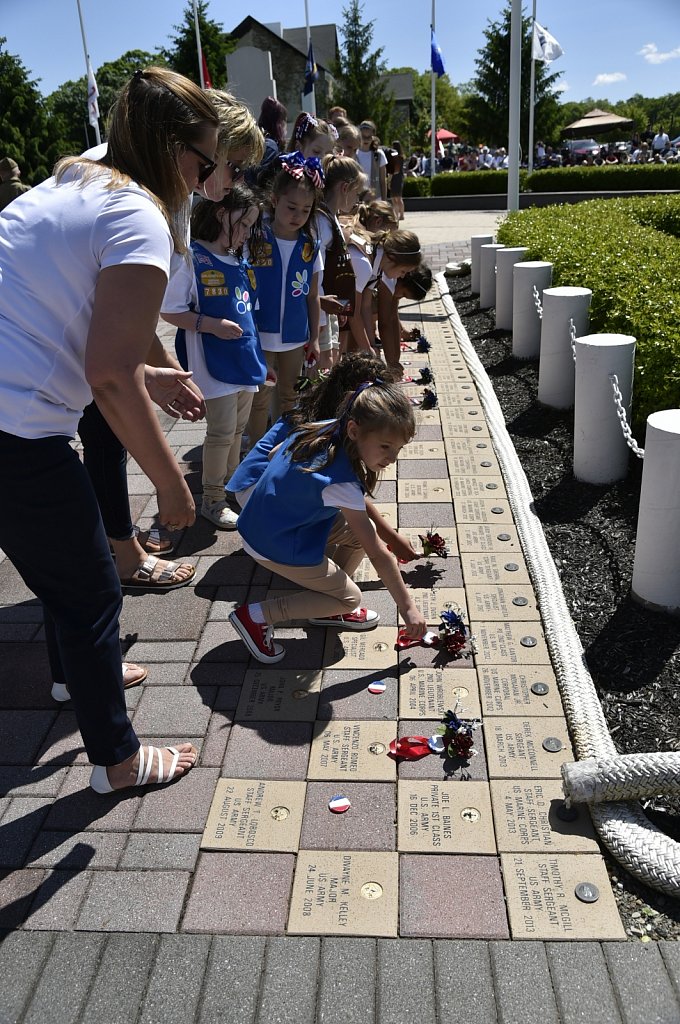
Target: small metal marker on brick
{"x":586,"y":892}
{"x":511,"y":566}
{"x":552,"y":744}
{"x":503,"y":536}
{"x":540,"y":689}
{"x":528,"y":641}
{"x":520,"y":602}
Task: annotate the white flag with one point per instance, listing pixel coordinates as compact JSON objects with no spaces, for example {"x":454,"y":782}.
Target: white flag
{"x":92,"y":95}
{"x":544,"y":46}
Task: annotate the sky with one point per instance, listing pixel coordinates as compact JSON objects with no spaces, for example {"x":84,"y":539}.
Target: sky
{"x":612,"y":48}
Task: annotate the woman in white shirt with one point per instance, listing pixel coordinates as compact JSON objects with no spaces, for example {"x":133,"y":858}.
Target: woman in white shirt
{"x":84,"y":261}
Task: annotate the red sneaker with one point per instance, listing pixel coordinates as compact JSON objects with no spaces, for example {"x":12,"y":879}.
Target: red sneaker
{"x":271,"y":379}
{"x":258,"y":638}
{"x":362,"y":618}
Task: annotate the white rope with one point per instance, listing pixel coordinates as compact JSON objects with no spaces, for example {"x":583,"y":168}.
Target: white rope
{"x":633,"y":840}
{"x":623,"y":419}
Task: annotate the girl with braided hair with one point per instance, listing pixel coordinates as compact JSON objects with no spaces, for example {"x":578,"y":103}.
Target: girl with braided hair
{"x":287,"y":265}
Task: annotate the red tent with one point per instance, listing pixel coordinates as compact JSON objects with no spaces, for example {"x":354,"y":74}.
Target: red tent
{"x":443,"y":135}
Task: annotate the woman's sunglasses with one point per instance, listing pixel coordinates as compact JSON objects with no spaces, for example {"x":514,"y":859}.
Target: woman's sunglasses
{"x":206,"y":168}
{"x":236,"y":172}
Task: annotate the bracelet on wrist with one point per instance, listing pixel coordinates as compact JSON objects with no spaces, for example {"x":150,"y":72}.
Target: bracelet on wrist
{"x":199,"y":321}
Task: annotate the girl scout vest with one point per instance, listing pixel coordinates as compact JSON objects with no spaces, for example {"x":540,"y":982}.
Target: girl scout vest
{"x":257,"y":459}
{"x":285,"y":519}
{"x":226,"y":291}
{"x":294,"y":324}
{"x":338,"y":274}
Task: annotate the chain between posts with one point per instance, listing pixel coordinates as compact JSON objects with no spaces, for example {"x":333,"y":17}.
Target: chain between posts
{"x":623,"y":420}
{"x":537,"y":302}
{"x":572,"y":337}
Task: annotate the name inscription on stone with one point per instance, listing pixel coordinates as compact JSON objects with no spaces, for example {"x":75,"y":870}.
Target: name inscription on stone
{"x":270,"y":695}
{"x":423,"y":450}
{"x":506,"y":690}
{"x":482,"y":510}
{"x":526,"y":819}
{"x":514,"y":747}
{"x":482,"y":537}
{"x":255,"y":814}
{"x":423,"y":490}
{"x":444,"y":817}
{"x":494,"y":568}
{"x":352,"y":750}
{"x":374,"y":649}
{"x":338,"y":893}
{"x":510,"y":643}
{"x":542,"y":903}
{"x":489,"y":602}
{"x":432,"y":602}
{"x":431,"y":692}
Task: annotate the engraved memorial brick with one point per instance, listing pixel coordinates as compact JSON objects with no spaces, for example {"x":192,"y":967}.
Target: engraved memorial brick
{"x":255,"y":814}
{"x":494,"y":568}
{"x":442,"y":817}
{"x":352,"y":750}
{"x":509,"y":643}
{"x":433,"y":602}
{"x":272,"y":695}
{"x":345,"y":893}
{"x":542,"y":903}
{"x":428,"y":693}
{"x":499,"y":537}
{"x":422,"y":450}
{"x":495,"y":512}
{"x":478,"y":487}
{"x":508,"y":690}
{"x":423,"y":490}
{"x":526,"y":819}
{"x":515,"y":747}
{"x":492,"y":603}
{"x":369,"y":650}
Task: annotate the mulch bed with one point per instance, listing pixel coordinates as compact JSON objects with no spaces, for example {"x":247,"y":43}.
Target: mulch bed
{"x":633,"y":654}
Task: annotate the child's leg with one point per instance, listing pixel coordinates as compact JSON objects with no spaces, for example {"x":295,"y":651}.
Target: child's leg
{"x":221,"y":419}
{"x":259,"y":412}
{"x":343,"y":547}
{"x":326,"y":590}
{"x":289,"y":367}
{"x":243,"y":407}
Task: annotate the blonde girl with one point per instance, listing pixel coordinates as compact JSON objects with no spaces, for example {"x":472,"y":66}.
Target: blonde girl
{"x":287,"y":268}
{"x":319,"y":471}
{"x":240,"y":144}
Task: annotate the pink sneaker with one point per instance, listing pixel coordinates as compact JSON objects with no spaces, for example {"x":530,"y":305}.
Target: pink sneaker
{"x":362,"y":618}
{"x":258,"y":638}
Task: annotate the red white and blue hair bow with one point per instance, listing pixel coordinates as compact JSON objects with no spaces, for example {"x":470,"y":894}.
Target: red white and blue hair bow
{"x":298,"y":167}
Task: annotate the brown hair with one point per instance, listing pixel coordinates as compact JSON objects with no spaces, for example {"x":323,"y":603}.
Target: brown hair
{"x":378,"y":208}
{"x":206,"y":225}
{"x":373,"y":406}
{"x":307,"y":127}
{"x":402,"y":247}
{"x":156,"y":111}
{"x":322,"y":401}
{"x":340,"y":169}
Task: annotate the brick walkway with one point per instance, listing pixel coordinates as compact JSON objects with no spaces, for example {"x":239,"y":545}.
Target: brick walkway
{"x":111,"y":910}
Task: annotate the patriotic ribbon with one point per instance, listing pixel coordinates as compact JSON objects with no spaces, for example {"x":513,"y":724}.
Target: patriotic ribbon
{"x":298,"y":167}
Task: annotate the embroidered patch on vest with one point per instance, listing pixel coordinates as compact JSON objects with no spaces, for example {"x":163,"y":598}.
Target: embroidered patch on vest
{"x":300,"y":284}
{"x":212,"y":278}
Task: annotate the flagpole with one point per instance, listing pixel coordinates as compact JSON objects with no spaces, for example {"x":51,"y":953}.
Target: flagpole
{"x":515,"y":103}
{"x":198,"y":47}
{"x":433,"y":107}
{"x":312,"y":95}
{"x":532,"y":92}
{"x":87,"y":67}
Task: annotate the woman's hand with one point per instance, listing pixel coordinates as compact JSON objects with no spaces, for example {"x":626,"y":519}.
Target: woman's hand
{"x":174,"y":391}
{"x":176,"y":507}
{"x":226,"y":329}
{"x":414,"y":623}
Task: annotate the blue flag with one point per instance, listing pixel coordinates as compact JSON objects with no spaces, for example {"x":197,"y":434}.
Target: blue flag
{"x":311,"y":73}
{"x":437,"y":59}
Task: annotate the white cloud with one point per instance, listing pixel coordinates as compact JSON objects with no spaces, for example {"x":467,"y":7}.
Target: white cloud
{"x":650,"y":52}
{"x":608,"y":79}
{"x":562,"y":87}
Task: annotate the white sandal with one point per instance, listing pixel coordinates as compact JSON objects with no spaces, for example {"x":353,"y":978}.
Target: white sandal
{"x":60,"y":691}
{"x":99,"y":779}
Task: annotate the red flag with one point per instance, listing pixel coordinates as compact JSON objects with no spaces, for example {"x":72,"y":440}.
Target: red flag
{"x":206,"y":74}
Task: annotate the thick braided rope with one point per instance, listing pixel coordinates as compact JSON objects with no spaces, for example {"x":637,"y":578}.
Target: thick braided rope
{"x":645,"y":851}
{"x":627,"y":777}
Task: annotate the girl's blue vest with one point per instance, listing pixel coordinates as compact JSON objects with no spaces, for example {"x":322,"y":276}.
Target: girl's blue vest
{"x":293,"y":325}
{"x":227,"y":292}
{"x":257,"y":459}
{"x":285,"y":519}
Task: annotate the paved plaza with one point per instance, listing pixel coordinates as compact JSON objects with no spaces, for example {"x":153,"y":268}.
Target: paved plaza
{"x":449,"y":890}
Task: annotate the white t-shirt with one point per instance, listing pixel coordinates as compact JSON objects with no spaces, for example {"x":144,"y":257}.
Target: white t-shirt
{"x":273,"y":342}
{"x":324,"y":232}
{"x":364,"y":272}
{"x":54,"y":241}
{"x":180,"y":294}
{"x":368,"y":163}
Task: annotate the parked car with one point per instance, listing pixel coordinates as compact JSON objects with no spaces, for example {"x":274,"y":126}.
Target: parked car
{"x":576,"y":150}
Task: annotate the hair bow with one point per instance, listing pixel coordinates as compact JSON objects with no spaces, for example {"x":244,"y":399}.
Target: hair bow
{"x":297,"y":166}
{"x":306,"y":122}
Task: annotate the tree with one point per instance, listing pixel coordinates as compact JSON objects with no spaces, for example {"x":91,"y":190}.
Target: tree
{"x":68,"y":104}
{"x":215,"y":43}
{"x":27,"y":134}
{"x":488,"y":107}
{"x":358,"y":71}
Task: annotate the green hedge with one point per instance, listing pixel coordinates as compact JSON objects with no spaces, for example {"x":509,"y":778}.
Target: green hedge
{"x":627,"y":251}
{"x":416,"y":187}
{"x":622,"y":177}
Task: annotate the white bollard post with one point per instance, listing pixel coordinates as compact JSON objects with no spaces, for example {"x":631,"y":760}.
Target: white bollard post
{"x":656,"y":568}
{"x":487,"y":274}
{"x":600,"y":449}
{"x":526,"y":320}
{"x":476,"y":242}
{"x":505,"y":262}
{"x":556,"y":369}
